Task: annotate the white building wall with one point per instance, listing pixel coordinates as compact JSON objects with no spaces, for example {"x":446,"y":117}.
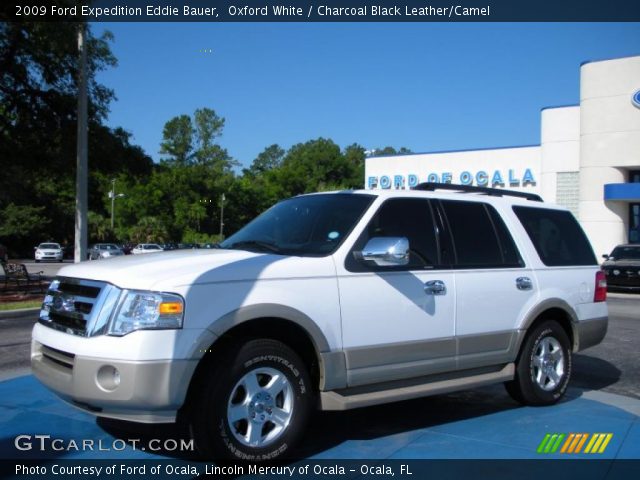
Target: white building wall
{"x":559,"y":154}
{"x":609,"y":146}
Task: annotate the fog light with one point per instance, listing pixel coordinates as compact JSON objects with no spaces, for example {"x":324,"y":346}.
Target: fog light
{"x":108,"y":378}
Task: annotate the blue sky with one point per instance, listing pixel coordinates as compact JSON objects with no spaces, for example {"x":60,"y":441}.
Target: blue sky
{"x":424,"y":86}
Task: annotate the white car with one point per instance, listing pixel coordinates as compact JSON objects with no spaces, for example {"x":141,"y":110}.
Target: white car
{"x":146,"y":248}
{"x":48,"y":251}
{"x":333,"y":300}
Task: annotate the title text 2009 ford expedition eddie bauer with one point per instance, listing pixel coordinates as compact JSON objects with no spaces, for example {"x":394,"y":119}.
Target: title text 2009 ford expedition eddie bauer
{"x":332,"y":300}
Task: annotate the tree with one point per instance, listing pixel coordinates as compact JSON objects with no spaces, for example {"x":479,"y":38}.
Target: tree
{"x":208,"y":126}
{"x":21,"y":223}
{"x":177,"y":139}
{"x":270,"y":158}
{"x":390,"y":151}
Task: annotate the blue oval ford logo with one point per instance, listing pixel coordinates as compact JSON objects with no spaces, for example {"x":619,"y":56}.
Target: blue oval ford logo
{"x":635,"y":99}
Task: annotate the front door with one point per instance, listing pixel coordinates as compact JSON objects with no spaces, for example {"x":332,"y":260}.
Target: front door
{"x":395,"y":323}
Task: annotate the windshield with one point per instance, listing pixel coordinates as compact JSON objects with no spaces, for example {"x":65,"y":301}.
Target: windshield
{"x":628,"y":253}
{"x":50,"y":245}
{"x":307,"y":225}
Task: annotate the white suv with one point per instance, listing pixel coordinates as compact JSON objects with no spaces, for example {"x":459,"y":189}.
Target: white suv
{"x":338,"y":300}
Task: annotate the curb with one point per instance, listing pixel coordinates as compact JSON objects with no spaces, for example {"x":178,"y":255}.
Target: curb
{"x":22,"y":313}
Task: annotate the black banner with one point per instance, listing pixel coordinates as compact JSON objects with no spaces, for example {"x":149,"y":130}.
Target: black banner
{"x":323,"y":10}
{"x":582,"y":469}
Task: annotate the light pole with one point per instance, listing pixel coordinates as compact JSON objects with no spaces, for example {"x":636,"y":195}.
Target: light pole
{"x":222,"y":199}
{"x":82,"y":168}
{"x":113,"y":196}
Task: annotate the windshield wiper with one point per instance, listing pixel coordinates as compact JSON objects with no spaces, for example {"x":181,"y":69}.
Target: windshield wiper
{"x":242,"y":245}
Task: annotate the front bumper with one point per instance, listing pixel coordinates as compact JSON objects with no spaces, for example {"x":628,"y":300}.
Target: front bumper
{"x":48,"y":256}
{"x":147,"y":391}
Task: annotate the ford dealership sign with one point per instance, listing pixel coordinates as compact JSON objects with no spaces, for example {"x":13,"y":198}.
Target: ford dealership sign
{"x":635,"y":99}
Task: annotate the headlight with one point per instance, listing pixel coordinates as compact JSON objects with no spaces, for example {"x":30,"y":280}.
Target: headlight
{"x":147,"y":311}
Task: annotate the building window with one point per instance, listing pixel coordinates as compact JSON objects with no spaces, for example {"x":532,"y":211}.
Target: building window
{"x":568,"y":190}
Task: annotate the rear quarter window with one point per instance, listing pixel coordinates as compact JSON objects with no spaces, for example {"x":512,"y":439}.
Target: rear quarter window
{"x":556,"y":236}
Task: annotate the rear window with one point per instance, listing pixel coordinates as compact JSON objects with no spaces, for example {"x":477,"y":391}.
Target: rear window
{"x":557,"y":236}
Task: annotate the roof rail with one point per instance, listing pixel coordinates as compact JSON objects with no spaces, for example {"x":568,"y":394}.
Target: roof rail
{"x":494,"y":192}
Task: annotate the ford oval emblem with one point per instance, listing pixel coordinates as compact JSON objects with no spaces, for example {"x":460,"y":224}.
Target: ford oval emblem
{"x":635,"y":99}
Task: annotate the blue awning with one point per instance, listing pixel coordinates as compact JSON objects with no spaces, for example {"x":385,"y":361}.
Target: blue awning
{"x":622,"y":192}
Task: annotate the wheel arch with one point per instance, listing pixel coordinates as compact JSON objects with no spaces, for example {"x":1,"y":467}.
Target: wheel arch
{"x":292,"y":327}
{"x":553,"y":309}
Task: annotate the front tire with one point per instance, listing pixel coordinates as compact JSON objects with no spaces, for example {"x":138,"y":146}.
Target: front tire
{"x":543,"y":367}
{"x":255,"y":405}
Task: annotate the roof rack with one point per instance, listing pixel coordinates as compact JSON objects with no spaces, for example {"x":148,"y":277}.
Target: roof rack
{"x":494,"y":192}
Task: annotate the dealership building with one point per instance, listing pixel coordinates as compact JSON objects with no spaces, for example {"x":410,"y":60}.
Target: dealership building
{"x":588,"y":159}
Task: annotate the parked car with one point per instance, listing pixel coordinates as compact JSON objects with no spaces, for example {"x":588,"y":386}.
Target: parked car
{"x":622,"y":268}
{"x":48,"y":251}
{"x":146,"y":248}
{"x":336,"y":300}
{"x":104,"y":250}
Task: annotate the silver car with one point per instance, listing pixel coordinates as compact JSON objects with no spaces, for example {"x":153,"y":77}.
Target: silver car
{"x":48,"y":251}
{"x":146,"y":248}
{"x":104,"y":250}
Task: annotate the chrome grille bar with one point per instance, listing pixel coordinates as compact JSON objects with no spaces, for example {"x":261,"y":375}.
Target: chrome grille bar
{"x":77,"y":306}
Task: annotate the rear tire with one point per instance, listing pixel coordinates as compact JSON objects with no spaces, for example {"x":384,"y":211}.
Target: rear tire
{"x":543,"y":367}
{"x":255,"y":405}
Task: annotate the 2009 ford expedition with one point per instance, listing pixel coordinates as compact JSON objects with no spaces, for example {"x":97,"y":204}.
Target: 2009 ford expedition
{"x":336,"y":300}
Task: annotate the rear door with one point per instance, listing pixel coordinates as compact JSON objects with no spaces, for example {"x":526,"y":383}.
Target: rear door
{"x":493,"y":286}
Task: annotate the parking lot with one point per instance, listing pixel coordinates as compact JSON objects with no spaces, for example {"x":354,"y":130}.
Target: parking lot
{"x":483,"y":423}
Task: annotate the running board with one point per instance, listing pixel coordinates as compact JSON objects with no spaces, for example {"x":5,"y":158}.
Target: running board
{"x":336,"y":401}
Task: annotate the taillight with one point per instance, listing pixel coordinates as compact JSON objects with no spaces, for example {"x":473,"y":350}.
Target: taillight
{"x":600,"y":293}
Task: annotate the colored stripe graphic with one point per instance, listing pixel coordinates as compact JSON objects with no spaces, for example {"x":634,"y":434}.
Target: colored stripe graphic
{"x":551,"y":442}
{"x":573,"y":443}
{"x":598,"y":443}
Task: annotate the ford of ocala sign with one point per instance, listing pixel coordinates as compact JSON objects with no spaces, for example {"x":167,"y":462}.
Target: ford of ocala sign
{"x":482,"y":178}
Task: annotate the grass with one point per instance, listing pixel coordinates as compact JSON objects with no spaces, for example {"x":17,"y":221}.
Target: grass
{"x":20,"y":305}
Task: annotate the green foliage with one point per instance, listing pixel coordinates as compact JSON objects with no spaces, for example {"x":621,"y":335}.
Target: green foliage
{"x":378,"y":152}
{"x":177,"y":139}
{"x":22,"y":223}
{"x":38,"y":72}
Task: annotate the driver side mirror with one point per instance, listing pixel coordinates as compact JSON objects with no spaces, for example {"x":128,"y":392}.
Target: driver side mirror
{"x":605,"y":256}
{"x":386,"y":251}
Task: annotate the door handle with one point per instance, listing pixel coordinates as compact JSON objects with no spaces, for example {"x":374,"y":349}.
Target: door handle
{"x":435,"y":287}
{"x":524,"y":283}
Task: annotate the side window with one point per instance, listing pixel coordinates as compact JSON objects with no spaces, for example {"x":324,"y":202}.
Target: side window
{"x":557,"y":237}
{"x":480,"y":238}
{"x":510,"y":254}
{"x":402,"y":217}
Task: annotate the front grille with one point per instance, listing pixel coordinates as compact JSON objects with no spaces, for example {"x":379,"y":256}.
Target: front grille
{"x":74,"y":305}
{"x":79,"y":289}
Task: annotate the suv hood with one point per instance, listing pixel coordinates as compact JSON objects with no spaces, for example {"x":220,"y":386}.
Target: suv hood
{"x":175,"y":270}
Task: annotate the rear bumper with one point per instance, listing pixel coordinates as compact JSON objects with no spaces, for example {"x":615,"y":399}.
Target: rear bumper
{"x":147,"y":391}
{"x":590,"y":332}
